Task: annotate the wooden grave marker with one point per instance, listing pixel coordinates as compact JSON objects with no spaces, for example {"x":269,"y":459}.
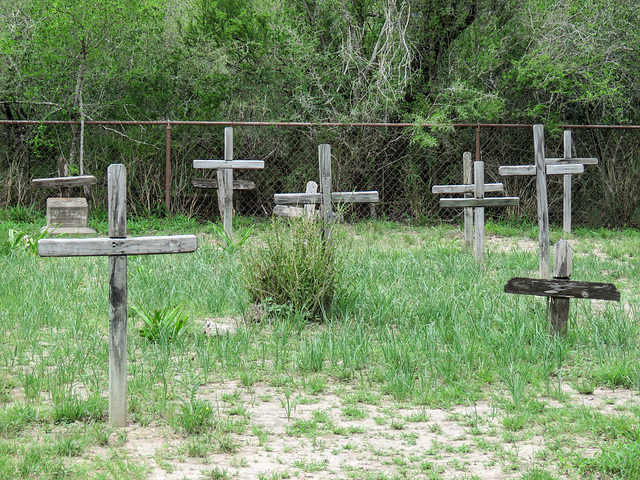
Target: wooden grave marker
{"x":541,"y":169}
{"x":560,"y":289}
{"x":66,"y":214}
{"x":568,"y":160}
{"x":326,"y":198}
{"x":478,"y":202}
{"x":117,"y":246}
{"x":225,"y":182}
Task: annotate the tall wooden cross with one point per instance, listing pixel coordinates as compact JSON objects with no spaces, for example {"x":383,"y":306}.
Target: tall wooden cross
{"x":560,"y":289}
{"x":568,"y":160}
{"x":326,"y":198}
{"x":225,"y":170}
{"x":117,"y":246}
{"x":477,"y":202}
{"x":541,"y":169}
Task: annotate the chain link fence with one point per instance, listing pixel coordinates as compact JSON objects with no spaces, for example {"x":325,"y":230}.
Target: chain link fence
{"x":382,"y":157}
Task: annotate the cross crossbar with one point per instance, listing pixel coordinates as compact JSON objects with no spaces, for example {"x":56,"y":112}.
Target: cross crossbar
{"x":92,"y":247}
{"x":551,"y":169}
{"x":480,"y":202}
{"x":569,"y":160}
{"x":316,"y":198}
{"x":558,"y":288}
{"x":488,"y":187}
{"x":64,"y":182}
{"x":233,"y":164}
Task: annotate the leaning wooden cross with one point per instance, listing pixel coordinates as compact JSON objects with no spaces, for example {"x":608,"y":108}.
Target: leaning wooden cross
{"x":326,"y":198}
{"x":541,"y":169}
{"x":66,"y":214}
{"x":117,"y":247}
{"x":478,"y":202}
{"x":225,"y":181}
{"x":560,"y":289}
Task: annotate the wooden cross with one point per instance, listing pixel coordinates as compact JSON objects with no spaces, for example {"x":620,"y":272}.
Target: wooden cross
{"x":560,"y":289}
{"x":477,"y":202}
{"x":566,"y":198}
{"x":225,"y":170}
{"x":326,"y":198}
{"x":541,"y":169}
{"x":117,"y":247}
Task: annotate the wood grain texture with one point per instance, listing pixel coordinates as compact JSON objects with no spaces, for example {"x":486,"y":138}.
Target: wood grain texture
{"x":467,"y":179}
{"x":59,"y":182}
{"x":336,"y":197}
{"x":478,"y":193}
{"x":566,"y":184}
{"x":89,"y":247}
{"x":466,"y":189}
{"x":543,"y":205}
{"x":556,"y":169}
{"x":212,"y":183}
{"x":562,"y":288}
{"x":117,"y":200}
{"x":569,"y":160}
{"x":480,"y":202}
{"x":233,"y":164}
{"x":118,"y":341}
{"x":562,"y":259}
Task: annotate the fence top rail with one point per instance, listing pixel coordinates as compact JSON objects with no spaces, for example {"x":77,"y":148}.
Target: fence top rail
{"x":169,"y":123}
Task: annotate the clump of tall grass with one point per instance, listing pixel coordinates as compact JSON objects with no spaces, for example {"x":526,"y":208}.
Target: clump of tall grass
{"x":294,"y":269}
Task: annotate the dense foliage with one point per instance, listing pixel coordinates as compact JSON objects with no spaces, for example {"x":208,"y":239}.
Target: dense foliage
{"x":312,"y":60}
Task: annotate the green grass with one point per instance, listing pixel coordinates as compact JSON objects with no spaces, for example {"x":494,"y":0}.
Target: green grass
{"x":414,"y":320}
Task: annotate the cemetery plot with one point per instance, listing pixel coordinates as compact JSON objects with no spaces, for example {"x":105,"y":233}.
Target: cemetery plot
{"x":224,"y":181}
{"x":117,"y":246}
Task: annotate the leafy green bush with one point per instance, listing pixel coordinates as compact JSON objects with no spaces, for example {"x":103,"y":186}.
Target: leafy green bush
{"x":293,"y":268}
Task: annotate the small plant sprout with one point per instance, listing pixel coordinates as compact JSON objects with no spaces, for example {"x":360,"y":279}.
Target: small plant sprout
{"x":161,"y":326}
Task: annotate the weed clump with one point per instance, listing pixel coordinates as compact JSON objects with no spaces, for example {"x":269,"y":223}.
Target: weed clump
{"x":294,"y":270}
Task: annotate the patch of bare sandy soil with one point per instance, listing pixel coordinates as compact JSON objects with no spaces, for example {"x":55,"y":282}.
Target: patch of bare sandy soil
{"x":328,"y":436}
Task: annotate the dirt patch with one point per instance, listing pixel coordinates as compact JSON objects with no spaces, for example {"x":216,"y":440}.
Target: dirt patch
{"x":333,"y":436}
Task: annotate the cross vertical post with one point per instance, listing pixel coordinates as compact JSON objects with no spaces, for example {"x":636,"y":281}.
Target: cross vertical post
{"x":225,"y":183}
{"x":324,"y":155}
{"x":559,"y":307}
{"x":478,"y":192}
{"x":566,"y":201}
{"x":467,"y":179}
{"x":116,"y":180}
{"x":543,"y":205}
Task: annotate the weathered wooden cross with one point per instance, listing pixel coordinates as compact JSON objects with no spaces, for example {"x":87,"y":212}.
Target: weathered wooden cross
{"x":541,"y":169}
{"x":560,"y":289}
{"x":478,"y":202}
{"x":117,"y":247}
{"x":225,"y":182}
{"x":66,"y":214}
{"x":326,"y":198}
{"x":566,"y":199}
